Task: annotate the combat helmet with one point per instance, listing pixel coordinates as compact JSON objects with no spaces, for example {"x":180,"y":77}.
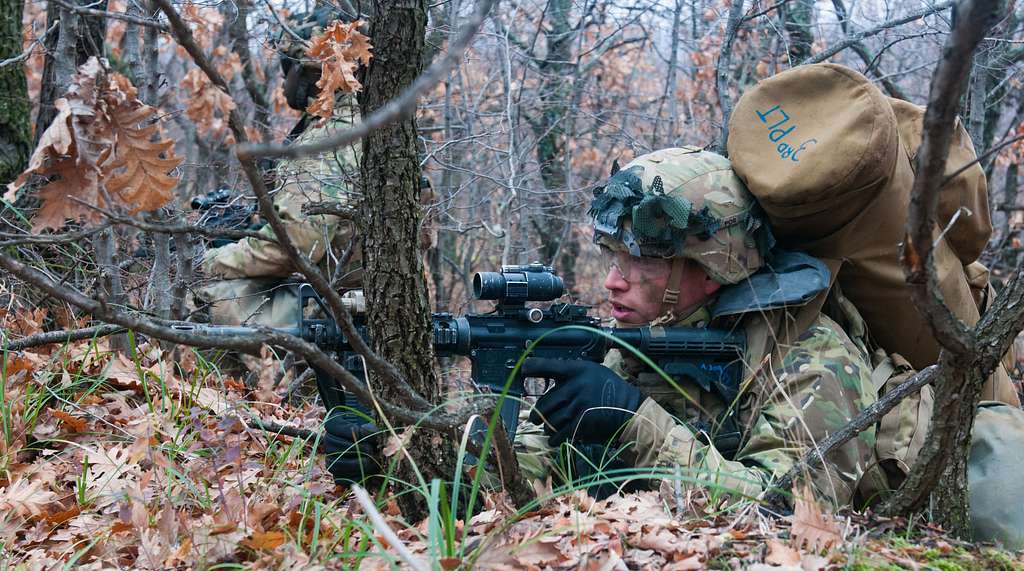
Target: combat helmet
{"x":301,"y":74}
{"x":683,"y":203}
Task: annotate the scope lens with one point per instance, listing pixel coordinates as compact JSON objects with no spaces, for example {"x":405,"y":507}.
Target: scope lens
{"x":517,"y":287}
{"x":488,"y":285}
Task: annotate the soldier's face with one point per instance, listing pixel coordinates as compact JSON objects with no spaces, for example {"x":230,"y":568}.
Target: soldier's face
{"x":636,"y":296}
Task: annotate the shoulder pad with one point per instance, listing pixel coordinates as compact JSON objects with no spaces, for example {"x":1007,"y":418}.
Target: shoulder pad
{"x":789,"y":279}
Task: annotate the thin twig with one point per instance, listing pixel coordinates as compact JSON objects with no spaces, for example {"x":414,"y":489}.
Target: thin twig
{"x":859,"y":36}
{"x":766,"y":11}
{"x":28,"y":52}
{"x":722,"y":71}
{"x":867,"y":418}
{"x":11,"y":239}
{"x":331,"y":208}
{"x":998,"y":147}
{"x":384,"y":529}
{"x":294,"y":432}
{"x":297,"y":384}
{"x":284,"y":25}
{"x":178,"y":228}
{"x":62,"y":336}
{"x":113,"y":16}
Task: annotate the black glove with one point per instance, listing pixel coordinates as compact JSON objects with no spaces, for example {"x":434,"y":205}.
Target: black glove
{"x":351,"y":447}
{"x":589,"y":403}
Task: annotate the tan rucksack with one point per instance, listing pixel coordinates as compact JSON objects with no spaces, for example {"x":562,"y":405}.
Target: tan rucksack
{"x":830,"y":159}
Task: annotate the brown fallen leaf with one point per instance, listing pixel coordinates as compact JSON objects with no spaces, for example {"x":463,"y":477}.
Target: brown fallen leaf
{"x":26,"y":498}
{"x":690,"y":563}
{"x":449,"y":563}
{"x":781,"y":554}
{"x":72,"y":422}
{"x":60,"y":517}
{"x":264,"y":540}
{"x":812,"y":529}
{"x":223,"y":528}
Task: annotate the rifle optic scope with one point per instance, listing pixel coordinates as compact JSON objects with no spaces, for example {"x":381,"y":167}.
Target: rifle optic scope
{"x":518,"y":284}
{"x":211,"y":199}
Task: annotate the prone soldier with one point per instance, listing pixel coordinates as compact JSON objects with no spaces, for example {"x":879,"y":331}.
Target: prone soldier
{"x":685,"y":245}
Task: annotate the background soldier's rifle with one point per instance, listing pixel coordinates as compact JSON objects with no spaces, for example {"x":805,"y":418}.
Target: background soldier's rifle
{"x":494,"y":342}
{"x":221,"y":210}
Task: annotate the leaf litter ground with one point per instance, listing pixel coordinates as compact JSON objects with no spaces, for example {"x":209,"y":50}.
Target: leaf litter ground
{"x":146,"y":462}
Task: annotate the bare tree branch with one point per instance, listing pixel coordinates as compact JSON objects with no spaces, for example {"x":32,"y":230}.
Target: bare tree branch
{"x":113,"y":16}
{"x":61,"y":337}
{"x":864,"y":420}
{"x":860,"y":36}
{"x":250,"y":343}
{"x":967,"y":359}
{"x":944,"y":100}
{"x":732,"y":27}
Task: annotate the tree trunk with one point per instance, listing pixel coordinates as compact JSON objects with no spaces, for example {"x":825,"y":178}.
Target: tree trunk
{"x":797,"y":17}
{"x":551,"y":222}
{"x":396,"y":294}
{"x":938,"y":479}
{"x":15,"y":107}
{"x":83,"y":38}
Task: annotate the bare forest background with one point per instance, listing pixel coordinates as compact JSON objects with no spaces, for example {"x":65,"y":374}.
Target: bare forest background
{"x":520,"y":107}
{"x":514,"y":138}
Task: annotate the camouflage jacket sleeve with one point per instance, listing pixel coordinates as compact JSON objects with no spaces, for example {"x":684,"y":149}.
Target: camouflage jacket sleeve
{"x":823,"y":382}
{"x":328,"y":177}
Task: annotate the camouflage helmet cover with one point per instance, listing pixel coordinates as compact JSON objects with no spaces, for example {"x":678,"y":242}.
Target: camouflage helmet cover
{"x":300,"y":72}
{"x":683,"y":202}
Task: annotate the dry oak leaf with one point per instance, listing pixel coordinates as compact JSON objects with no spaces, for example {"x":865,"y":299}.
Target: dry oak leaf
{"x":206,"y":22}
{"x":338,"y":49}
{"x":207,"y":105}
{"x":781,"y":554}
{"x":25,"y":498}
{"x":94,"y":144}
{"x":72,"y":422}
{"x":264,"y":540}
{"x":812,"y":528}
{"x":57,"y":154}
{"x":138,"y":172}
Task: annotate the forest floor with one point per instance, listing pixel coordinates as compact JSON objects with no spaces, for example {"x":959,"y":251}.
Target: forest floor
{"x":149,"y":461}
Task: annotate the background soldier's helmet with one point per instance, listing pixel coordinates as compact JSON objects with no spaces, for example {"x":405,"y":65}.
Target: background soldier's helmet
{"x":300,"y":72}
{"x":683,"y":202}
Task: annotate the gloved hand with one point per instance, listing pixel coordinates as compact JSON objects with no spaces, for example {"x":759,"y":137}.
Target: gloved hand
{"x":589,"y":402}
{"x":351,"y":447}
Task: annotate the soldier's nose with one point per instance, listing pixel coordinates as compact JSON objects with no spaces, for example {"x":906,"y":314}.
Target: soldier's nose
{"x":613,"y":280}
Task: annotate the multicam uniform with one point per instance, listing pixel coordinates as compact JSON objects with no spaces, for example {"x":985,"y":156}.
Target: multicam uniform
{"x":797,"y":396}
{"x":250,"y":271}
{"x":806,"y":377}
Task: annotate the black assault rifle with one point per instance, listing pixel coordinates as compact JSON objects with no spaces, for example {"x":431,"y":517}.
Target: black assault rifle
{"x":494,"y":342}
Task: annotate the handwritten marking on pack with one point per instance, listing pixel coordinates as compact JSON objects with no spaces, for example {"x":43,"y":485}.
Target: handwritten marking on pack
{"x":778,"y":132}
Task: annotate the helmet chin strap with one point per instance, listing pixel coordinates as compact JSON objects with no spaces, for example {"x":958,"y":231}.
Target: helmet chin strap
{"x":671,"y":295}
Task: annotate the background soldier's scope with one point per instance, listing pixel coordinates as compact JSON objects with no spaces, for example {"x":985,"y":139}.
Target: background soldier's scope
{"x":219,"y":197}
{"x":518,"y":284}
